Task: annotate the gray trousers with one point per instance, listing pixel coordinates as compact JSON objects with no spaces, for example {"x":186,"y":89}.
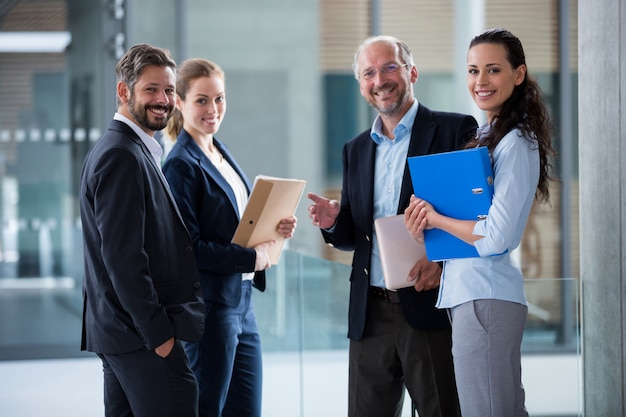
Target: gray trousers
{"x":486,"y":341}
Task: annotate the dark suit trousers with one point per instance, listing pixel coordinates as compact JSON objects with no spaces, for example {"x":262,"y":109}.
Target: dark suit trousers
{"x":228,"y":360}
{"x":392,"y":355}
{"x":142,"y":384}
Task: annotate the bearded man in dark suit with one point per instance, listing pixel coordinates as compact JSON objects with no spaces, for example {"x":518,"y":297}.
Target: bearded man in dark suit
{"x":141,"y":290}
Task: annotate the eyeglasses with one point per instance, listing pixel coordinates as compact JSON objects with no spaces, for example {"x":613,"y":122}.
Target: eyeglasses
{"x":385,"y":69}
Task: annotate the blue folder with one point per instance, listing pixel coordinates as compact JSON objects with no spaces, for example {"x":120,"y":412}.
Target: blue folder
{"x":458,"y":184}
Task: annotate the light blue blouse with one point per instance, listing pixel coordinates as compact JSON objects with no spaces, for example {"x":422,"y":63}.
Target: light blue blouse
{"x":516,"y":175}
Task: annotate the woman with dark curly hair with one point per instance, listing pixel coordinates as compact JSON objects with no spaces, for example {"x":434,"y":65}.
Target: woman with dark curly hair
{"x":485,"y":295}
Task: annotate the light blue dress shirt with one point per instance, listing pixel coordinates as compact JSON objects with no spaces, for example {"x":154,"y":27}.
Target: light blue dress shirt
{"x":389,"y":167}
{"x":516,"y":175}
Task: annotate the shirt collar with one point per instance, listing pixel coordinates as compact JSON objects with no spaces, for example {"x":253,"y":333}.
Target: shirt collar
{"x":399,"y":132}
{"x":482,"y":131}
{"x":151,"y":143}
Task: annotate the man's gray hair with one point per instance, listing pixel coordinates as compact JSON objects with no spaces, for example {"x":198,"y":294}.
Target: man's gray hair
{"x":404,"y":52}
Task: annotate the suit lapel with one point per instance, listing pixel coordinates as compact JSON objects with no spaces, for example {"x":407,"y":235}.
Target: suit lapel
{"x":422,"y":137}
{"x":130,"y":133}
{"x":365,"y":168}
{"x":194,"y":150}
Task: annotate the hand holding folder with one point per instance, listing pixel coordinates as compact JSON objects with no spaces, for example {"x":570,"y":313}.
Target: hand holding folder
{"x":459,"y":184}
{"x":271,"y":200}
{"x":399,"y":252}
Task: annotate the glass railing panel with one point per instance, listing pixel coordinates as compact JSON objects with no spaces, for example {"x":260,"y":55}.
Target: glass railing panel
{"x":40,"y":321}
{"x":305,"y":305}
{"x":303,"y":321}
{"x":552,"y":315}
{"x":551,"y":355}
{"x":303,"y":318}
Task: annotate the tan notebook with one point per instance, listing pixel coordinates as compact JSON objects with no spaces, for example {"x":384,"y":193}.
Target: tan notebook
{"x":398,"y":251}
{"x":271,"y":200}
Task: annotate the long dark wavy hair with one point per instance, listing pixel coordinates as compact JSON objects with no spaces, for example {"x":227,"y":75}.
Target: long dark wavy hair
{"x":524,"y":110}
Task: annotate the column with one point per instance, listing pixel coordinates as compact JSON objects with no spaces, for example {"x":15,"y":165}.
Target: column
{"x":602,"y":120}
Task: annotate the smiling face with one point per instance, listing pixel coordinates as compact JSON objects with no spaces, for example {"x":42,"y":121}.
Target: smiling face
{"x":204,"y":106}
{"x":151,"y":102}
{"x":490,"y":77}
{"x":390,"y":93}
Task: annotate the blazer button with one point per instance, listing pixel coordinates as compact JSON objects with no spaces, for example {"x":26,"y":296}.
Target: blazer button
{"x":188,"y":249}
{"x":367,"y":238}
{"x":366,"y":271}
{"x":196,"y":284}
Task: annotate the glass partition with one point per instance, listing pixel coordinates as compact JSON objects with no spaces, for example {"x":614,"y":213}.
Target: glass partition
{"x":551,"y":348}
{"x":303,"y":317}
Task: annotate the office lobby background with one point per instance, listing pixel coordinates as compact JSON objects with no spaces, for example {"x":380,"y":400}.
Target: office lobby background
{"x":292,"y":104}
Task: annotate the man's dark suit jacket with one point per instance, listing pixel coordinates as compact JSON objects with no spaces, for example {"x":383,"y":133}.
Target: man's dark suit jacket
{"x":208,"y":205}
{"x":141,"y":282}
{"x":433,"y":132}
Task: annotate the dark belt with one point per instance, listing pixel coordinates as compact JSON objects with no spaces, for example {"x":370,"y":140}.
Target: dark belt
{"x":385,"y":294}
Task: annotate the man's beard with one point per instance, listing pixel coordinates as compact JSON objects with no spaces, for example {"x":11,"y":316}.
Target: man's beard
{"x":140,"y":114}
{"x":390,"y":109}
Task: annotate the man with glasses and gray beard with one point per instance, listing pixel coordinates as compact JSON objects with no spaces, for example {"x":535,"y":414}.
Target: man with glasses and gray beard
{"x":398,"y":338}
{"x":141,"y":290}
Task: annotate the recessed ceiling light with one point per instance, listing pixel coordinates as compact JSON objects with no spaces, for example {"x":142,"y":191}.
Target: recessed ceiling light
{"x":34,"y":42}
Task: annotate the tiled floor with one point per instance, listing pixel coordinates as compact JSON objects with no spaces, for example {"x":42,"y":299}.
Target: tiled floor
{"x":51,"y":388}
{"x":73,"y":387}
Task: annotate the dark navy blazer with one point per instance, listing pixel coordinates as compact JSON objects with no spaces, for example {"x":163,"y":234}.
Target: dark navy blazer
{"x":207,"y":203}
{"x":141,"y":283}
{"x":432,"y":132}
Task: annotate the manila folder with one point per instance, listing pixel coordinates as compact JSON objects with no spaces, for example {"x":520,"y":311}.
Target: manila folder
{"x":271,"y":200}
